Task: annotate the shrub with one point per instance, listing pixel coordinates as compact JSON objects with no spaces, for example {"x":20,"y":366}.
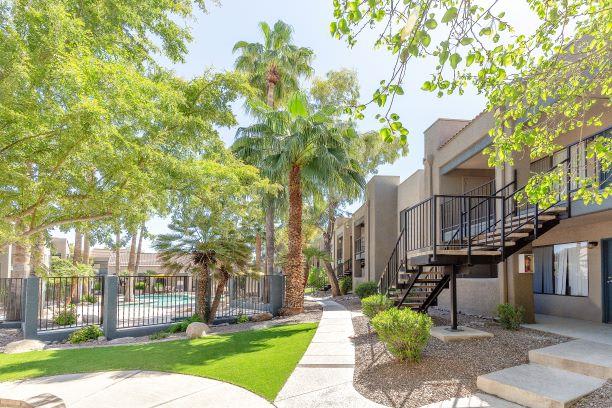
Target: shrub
{"x":404,"y":332}
{"x":89,"y":299}
{"x":242,"y":319}
{"x":140,"y":285}
{"x":317,"y":278}
{"x":66,"y":317}
{"x":510,"y":317}
{"x":181,"y":326}
{"x":159,"y":335}
{"x":372,"y":305}
{"x":97,"y":286}
{"x":366,"y":289}
{"x":85,"y":334}
{"x":346,"y":284}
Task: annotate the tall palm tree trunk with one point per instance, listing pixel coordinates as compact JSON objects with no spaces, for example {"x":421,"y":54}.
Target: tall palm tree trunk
{"x":202,"y":293}
{"x":117,"y":251}
{"x":129,"y":290}
{"x":258,"y":252}
{"x":327,"y":246}
{"x":139,"y":250}
{"x":270,"y":238}
{"x":85,"y":259}
{"x":295,"y":261}
{"x":77,"y":257}
{"x":218,"y":293}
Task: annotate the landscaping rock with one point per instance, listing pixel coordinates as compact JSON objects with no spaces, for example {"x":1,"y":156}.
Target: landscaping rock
{"x":196,"y":330}
{"x":101,"y":338}
{"x":122,"y":340}
{"x":21,"y":346}
{"x":261,"y":317}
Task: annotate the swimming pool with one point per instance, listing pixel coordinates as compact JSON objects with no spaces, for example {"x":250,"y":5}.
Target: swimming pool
{"x":163,"y":299}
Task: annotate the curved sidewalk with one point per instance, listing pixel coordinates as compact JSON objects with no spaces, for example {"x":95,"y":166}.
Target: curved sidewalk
{"x":134,"y":389}
{"x":324,"y":375}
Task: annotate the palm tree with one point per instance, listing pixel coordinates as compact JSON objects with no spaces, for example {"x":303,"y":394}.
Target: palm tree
{"x":274,"y":68}
{"x":311,"y":153}
{"x":233,"y":256}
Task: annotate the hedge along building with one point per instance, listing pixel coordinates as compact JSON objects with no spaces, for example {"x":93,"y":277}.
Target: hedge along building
{"x":457,"y":216}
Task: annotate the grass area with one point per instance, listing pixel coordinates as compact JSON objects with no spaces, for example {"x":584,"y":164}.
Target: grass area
{"x":258,"y":360}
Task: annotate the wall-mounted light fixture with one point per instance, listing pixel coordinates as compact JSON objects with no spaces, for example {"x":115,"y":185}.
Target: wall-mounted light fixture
{"x":592,"y":244}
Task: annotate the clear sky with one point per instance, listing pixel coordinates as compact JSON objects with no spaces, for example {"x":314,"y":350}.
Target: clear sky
{"x":217,"y":31}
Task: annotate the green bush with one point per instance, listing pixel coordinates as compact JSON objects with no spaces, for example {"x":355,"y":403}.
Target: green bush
{"x":242,"y":319}
{"x":510,"y":317}
{"x":140,"y":285}
{"x":181,"y":326}
{"x":85,"y":334}
{"x":97,"y":286}
{"x":372,"y":305}
{"x":366,"y":289}
{"x":346,"y":284}
{"x":159,"y":335}
{"x":89,"y":299}
{"x":66,"y":317}
{"x":317,"y":278}
{"x":404,"y":332}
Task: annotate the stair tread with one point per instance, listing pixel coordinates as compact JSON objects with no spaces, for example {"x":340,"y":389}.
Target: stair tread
{"x":580,"y":356}
{"x":538,"y":385}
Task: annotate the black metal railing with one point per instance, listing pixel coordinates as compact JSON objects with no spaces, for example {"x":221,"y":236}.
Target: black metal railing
{"x":242,"y":296}
{"x":389,"y":278}
{"x":11,"y":296}
{"x":152,"y":300}
{"x":72,"y":301}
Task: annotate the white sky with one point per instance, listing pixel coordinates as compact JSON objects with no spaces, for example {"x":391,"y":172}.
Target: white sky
{"x":215,"y":34}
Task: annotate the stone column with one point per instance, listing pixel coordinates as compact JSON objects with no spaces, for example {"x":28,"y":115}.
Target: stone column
{"x":29,"y":325}
{"x":276,"y":293}
{"x":109,"y":313}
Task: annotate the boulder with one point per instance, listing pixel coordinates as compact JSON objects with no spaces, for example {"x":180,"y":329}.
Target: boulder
{"x":21,"y":346}
{"x":261,"y":317}
{"x":196,"y":330}
{"x":101,"y":338}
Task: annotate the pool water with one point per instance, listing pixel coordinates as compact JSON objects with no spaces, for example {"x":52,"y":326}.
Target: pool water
{"x":164,"y":299}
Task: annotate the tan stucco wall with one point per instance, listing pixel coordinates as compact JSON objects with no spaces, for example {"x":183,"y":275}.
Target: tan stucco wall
{"x":410,"y":192}
{"x":5,"y":261}
{"x":474,"y":296}
{"x":593,"y":228}
{"x":382,"y":193}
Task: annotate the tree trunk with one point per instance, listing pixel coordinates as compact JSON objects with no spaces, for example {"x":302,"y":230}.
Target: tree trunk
{"x":258,"y":252}
{"x":202,"y":293}
{"x":218,"y":293}
{"x":77,"y":254}
{"x":117,"y":251}
{"x":132,"y":257}
{"x":295,"y":259}
{"x":327,"y":246}
{"x":270,"y":238}
{"x":86,"y":249}
{"x":270,"y":92}
{"x":139,"y":251}
{"x":22,"y":260}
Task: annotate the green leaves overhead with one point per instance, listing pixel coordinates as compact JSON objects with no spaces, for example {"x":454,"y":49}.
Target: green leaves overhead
{"x":564,"y":59}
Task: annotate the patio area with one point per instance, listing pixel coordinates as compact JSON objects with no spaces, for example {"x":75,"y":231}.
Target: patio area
{"x":579,"y":329}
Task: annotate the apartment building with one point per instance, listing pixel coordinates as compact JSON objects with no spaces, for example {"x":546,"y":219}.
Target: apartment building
{"x":458,"y":227}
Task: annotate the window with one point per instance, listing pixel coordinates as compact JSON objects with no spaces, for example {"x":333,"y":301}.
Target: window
{"x":562,"y":269}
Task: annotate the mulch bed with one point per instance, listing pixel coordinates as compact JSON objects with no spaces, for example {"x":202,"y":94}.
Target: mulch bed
{"x":447,"y":369}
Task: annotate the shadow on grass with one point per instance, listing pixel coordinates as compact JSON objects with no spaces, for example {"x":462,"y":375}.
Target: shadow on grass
{"x":252,"y":359}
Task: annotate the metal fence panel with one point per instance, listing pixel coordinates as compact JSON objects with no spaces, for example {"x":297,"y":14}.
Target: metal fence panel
{"x":68,"y":302}
{"x":11,"y":294}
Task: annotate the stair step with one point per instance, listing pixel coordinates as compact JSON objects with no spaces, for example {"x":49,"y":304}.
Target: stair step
{"x":428,"y":280}
{"x":579,"y":356}
{"x":535,"y":385}
{"x":478,"y":243}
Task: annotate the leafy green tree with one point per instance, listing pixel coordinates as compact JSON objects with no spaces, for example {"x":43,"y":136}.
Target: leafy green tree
{"x":310,"y":152}
{"x":274,"y":68}
{"x":91,"y":127}
{"x":338,"y":90}
{"x":541,"y":83}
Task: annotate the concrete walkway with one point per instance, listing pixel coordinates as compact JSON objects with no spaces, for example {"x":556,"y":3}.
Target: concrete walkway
{"x":579,"y":329}
{"x":324,"y":375}
{"x":134,"y":389}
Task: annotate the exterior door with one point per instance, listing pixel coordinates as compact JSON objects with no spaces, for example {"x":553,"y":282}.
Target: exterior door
{"x":606,"y":254}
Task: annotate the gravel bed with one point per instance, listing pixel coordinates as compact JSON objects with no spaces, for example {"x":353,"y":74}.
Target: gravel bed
{"x":312,"y":313}
{"x":8,"y":336}
{"x":447,"y":369}
{"x":602,"y":398}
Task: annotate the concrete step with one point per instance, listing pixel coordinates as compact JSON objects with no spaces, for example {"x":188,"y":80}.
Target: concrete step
{"x":538,"y":386}
{"x":579,"y":356}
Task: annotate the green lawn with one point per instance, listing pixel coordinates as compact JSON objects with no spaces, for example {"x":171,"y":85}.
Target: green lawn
{"x":258,"y":360}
